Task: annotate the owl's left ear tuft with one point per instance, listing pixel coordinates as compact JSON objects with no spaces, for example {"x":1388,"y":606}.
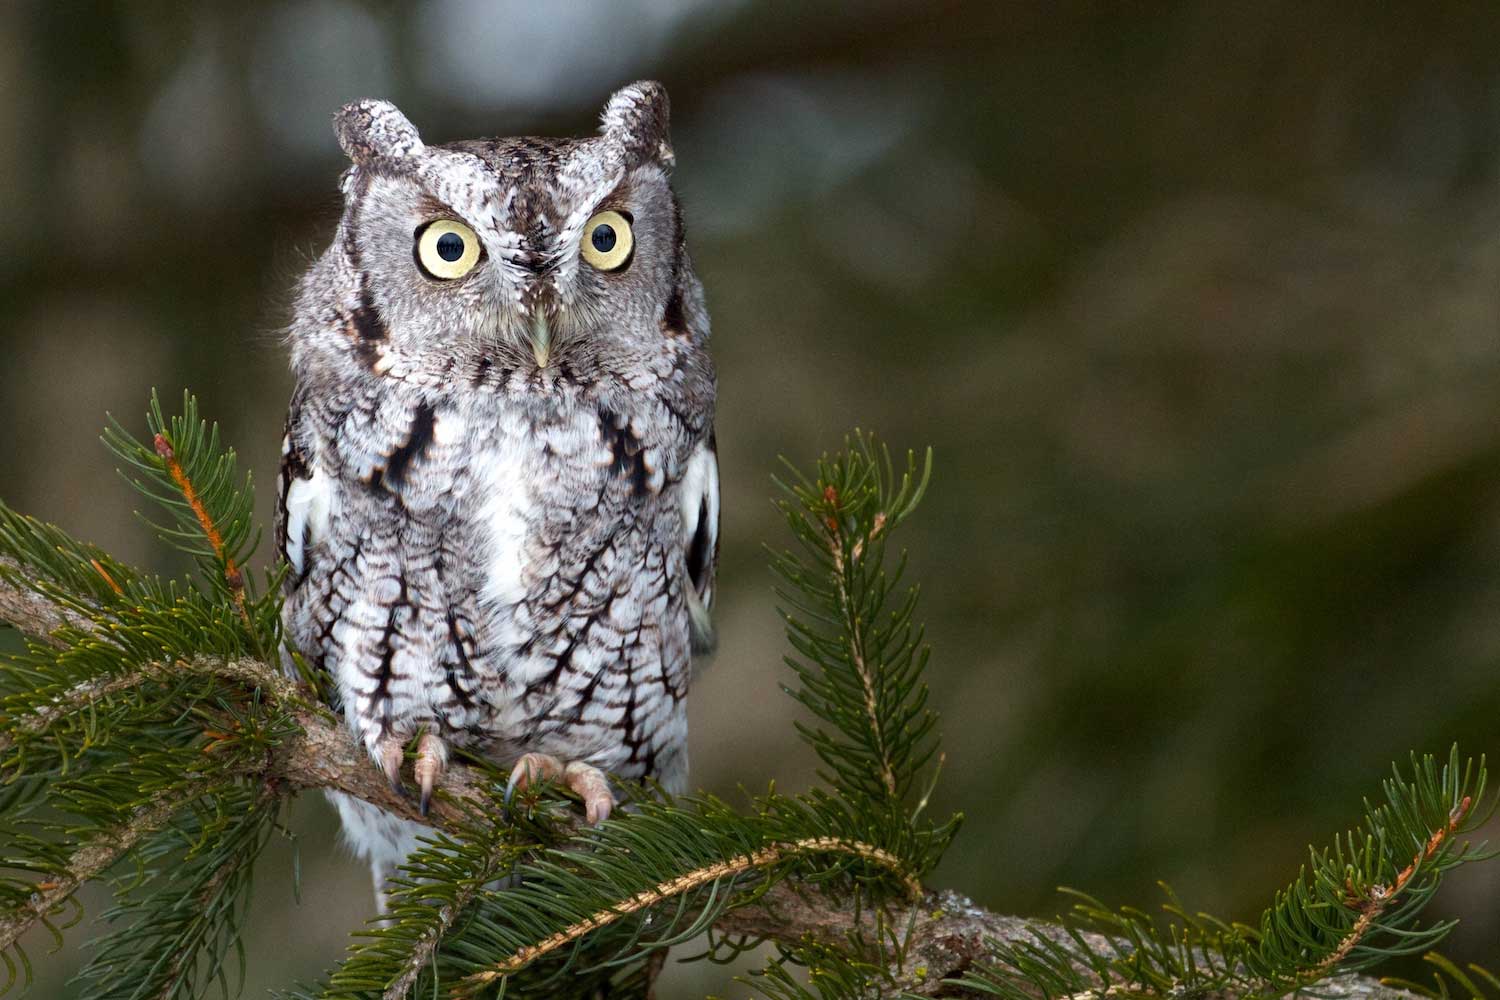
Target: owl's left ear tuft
{"x":637,"y":118}
{"x":369,"y":129}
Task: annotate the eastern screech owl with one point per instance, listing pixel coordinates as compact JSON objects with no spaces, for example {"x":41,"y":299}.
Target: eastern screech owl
{"x":499,"y":493}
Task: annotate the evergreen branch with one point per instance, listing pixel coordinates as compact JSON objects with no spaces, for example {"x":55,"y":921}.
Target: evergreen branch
{"x":425,"y":947}
{"x":181,"y":956}
{"x":44,"y":560}
{"x":319,"y":754}
{"x":188,"y":472}
{"x":92,"y":860}
{"x":860,"y":654}
{"x":130,"y":683}
{"x":765,"y":857}
{"x":437,"y":889}
{"x":79,"y":698}
{"x":1327,"y":921}
{"x":87,"y":694}
{"x":1376,"y":899}
{"x":172,"y":939}
{"x":185,"y":470}
{"x":234,"y":577}
{"x":942,"y":932}
{"x":947,"y":936}
{"x":836,"y":546}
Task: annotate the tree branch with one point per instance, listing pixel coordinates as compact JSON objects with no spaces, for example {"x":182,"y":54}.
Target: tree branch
{"x":450,"y":911}
{"x":91,"y":860}
{"x":944,"y":932}
{"x":30,"y":612}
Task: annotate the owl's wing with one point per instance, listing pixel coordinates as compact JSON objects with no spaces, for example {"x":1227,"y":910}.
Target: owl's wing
{"x":303,"y":492}
{"x":700,"y":538}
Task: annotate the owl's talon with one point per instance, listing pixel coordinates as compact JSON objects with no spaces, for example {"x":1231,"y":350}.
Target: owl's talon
{"x":530,"y":769}
{"x":590,"y":784}
{"x":432,"y":761}
{"x":585,"y":781}
{"x":389,"y":752}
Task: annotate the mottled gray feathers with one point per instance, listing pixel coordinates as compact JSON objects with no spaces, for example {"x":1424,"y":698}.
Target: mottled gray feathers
{"x":367,"y":129}
{"x":637,"y":117}
{"x":499,"y":493}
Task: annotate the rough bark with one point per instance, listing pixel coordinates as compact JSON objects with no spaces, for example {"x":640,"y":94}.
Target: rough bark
{"x":29,"y":611}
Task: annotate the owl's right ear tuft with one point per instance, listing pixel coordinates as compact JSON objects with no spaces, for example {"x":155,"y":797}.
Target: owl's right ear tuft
{"x":368,"y":129}
{"x":637,"y":118}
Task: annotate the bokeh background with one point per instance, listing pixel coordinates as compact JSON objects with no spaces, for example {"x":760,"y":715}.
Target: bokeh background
{"x":1196,"y":303}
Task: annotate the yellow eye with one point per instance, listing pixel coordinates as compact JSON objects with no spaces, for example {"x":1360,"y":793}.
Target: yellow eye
{"x":608,"y":241}
{"x":447,"y":249}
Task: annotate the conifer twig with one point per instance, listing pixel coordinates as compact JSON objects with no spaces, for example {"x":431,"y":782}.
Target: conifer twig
{"x":185,"y":950}
{"x":686,"y":882}
{"x":92,"y":859}
{"x":852,"y":624}
{"x":251,"y":673}
{"x":76,"y":698}
{"x":450,"y":911}
{"x":1377,"y":899}
{"x":233,"y":575}
{"x":401,"y":986}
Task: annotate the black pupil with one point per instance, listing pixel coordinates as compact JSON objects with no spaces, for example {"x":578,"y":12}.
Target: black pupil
{"x":450,"y":247}
{"x":603,"y":238}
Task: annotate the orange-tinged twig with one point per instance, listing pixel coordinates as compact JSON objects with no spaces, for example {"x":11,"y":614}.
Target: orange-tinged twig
{"x":1378,"y":898}
{"x":768,"y":855}
{"x":232,"y":574}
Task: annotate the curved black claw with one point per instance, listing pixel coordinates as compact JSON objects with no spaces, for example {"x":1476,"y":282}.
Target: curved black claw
{"x":530,"y":769}
{"x":432,"y":761}
{"x":388,"y":754}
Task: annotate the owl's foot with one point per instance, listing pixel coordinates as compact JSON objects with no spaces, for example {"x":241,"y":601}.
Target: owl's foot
{"x":432,"y":761}
{"x":585,"y":780}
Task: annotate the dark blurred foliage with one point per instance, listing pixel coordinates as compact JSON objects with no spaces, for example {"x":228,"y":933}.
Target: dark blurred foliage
{"x":1196,"y":303}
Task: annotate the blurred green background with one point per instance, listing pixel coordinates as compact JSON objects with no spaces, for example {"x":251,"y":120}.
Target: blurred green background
{"x":1197,"y":304}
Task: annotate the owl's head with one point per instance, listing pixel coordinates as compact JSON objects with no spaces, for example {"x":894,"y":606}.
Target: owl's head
{"x":519,"y":251}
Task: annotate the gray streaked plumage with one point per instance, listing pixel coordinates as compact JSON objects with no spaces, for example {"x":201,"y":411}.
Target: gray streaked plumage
{"x":499,"y":492}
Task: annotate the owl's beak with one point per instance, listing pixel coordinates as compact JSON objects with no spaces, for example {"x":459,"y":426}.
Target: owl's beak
{"x":541,"y":338}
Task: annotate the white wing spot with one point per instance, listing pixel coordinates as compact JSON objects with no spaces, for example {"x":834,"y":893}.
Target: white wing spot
{"x":307,"y":504}
{"x":699,"y":497}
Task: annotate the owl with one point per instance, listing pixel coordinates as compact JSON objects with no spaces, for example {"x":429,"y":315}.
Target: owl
{"x":499,"y":494}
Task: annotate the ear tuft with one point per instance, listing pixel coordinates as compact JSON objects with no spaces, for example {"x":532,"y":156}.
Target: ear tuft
{"x":369,"y":128}
{"x":637,"y":118}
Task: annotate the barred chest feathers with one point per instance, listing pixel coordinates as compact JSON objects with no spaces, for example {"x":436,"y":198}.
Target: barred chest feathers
{"x":537,"y":549}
